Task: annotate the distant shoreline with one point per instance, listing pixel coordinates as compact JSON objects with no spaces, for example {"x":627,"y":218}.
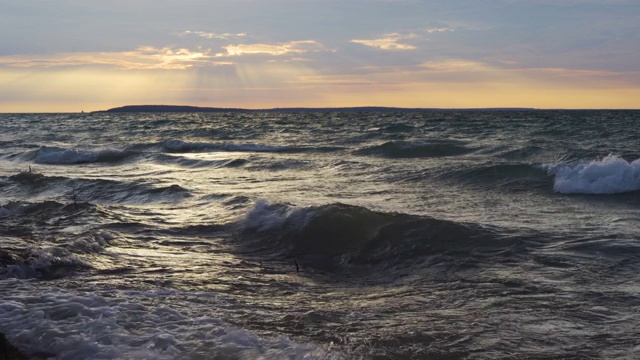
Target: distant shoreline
{"x":132,"y":109}
{"x":196,"y":109}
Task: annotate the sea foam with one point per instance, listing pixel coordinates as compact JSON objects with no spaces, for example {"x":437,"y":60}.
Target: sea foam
{"x":609,"y":175}
{"x":126,"y":325}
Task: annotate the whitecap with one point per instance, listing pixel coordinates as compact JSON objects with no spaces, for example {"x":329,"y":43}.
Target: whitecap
{"x":609,"y":175}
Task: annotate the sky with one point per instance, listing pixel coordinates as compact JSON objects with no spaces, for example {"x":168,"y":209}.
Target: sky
{"x":74,"y":55}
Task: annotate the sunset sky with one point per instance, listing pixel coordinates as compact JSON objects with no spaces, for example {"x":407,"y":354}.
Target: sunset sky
{"x":72,"y":55}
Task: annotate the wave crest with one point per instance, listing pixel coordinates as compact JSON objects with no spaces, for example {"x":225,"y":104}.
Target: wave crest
{"x":352,"y":234}
{"x":609,"y":175}
{"x":57,"y":156}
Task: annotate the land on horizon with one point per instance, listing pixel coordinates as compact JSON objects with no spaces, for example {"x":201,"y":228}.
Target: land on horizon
{"x":188,"y":108}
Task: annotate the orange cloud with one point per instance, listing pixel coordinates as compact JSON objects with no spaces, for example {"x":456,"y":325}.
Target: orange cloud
{"x":143,"y":58}
{"x":293,"y":47}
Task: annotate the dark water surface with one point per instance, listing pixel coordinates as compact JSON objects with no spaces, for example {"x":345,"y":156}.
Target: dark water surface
{"x":435,"y":235}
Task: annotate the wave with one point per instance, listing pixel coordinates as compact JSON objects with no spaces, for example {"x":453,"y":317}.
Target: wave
{"x":609,"y":175}
{"x":32,"y":178}
{"x":201,"y":163}
{"x":125,"y":325}
{"x":509,"y":176}
{"x":32,"y":221}
{"x":18,"y":208}
{"x":59,"y":156}
{"x":130,"y":192}
{"x":95,"y":190}
{"x":46,"y":258}
{"x":45,"y":264}
{"x":346,"y":234}
{"x":401,"y":149}
{"x":179,"y":146}
{"x":394,"y":128}
{"x":30,"y":248}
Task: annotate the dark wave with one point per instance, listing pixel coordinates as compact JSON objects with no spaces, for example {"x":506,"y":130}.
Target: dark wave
{"x":94,"y":190}
{"x":39,"y":264}
{"x":401,"y":149}
{"x":32,"y":246}
{"x":61,"y":156}
{"x":522,"y":153}
{"x":41,"y":258}
{"x":509,"y":176}
{"x":346,"y":234}
{"x":396,"y":128}
{"x":179,"y":146}
{"x":49,"y":207}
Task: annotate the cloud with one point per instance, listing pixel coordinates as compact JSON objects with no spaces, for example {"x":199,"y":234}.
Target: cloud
{"x":143,"y":58}
{"x":388,"y":42}
{"x":454,"y":65}
{"x":210,"y":35}
{"x":437,"y":30}
{"x":394,"y":41}
{"x":165,"y":58}
{"x":292,"y":47}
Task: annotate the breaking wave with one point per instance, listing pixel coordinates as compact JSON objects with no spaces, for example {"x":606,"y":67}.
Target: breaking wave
{"x":609,"y":175}
{"x":349,"y":234}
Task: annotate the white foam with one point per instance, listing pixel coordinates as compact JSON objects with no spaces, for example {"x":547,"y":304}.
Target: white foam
{"x":40,"y":262}
{"x":264,"y":216}
{"x":609,"y":175}
{"x":130,"y":325}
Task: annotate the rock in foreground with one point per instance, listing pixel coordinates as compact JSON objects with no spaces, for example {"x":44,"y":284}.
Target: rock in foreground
{"x":8,"y":351}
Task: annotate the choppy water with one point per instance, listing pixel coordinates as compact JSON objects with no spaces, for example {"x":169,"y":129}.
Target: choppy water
{"x":436,"y":235}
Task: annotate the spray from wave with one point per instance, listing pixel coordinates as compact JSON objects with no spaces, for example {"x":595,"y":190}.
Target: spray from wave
{"x":609,"y":175}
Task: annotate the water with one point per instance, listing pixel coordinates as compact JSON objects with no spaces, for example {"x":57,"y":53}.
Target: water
{"x":435,"y":235}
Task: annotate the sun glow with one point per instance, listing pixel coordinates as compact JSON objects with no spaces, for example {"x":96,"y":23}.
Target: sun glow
{"x":266,"y":76}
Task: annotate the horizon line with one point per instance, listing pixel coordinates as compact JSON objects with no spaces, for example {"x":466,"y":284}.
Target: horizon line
{"x":194,"y":109}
